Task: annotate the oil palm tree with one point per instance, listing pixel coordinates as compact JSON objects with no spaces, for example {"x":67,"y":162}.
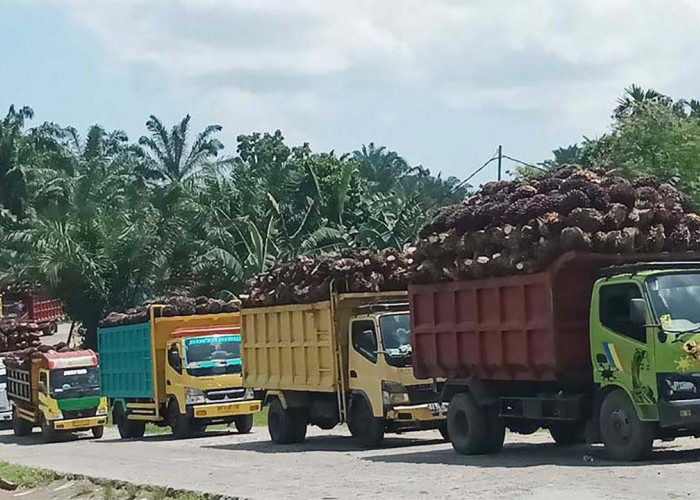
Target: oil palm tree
{"x":170,"y":158}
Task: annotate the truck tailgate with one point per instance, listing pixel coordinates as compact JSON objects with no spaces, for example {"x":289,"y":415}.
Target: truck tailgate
{"x":289,"y":348}
{"x":525,"y":327}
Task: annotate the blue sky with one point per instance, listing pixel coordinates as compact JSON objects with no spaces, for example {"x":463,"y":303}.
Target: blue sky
{"x":441,"y":82}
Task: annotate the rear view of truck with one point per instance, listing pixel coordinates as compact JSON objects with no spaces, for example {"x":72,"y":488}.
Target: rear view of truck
{"x":177,"y":371}
{"x":347,"y":359}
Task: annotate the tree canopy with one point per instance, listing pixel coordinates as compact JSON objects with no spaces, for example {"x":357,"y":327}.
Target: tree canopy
{"x":104,"y":223}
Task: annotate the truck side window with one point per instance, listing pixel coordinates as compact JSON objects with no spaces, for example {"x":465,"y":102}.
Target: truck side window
{"x":364,"y":339}
{"x":174,"y":359}
{"x":615,"y":310}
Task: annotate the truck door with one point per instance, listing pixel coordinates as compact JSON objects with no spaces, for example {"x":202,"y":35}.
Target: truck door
{"x":622,"y":349}
{"x":364,"y":373}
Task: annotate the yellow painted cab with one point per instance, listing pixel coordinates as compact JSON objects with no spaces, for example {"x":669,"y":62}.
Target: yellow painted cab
{"x":59,"y":392}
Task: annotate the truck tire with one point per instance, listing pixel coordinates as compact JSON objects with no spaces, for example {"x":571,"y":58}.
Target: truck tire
{"x":138,"y":428}
{"x":244,"y":423}
{"x":48,"y":433}
{"x":199,"y":427}
{"x":444,"y":432}
{"x":366,"y":429}
{"x":626,"y":438}
{"x":20,"y":427}
{"x":127,"y":428}
{"x":467,"y":425}
{"x":98,"y":432}
{"x":180,"y":425}
{"x":496,"y":434}
{"x":285,"y":426}
{"x":567,"y":433}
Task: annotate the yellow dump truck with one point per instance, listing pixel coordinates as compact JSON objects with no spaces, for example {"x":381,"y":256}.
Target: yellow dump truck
{"x":347,"y":359}
{"x":58,"y":392}
{"x":181,"y":371}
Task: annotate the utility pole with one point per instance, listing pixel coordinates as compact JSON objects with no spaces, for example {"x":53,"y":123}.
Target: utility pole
{"x":500,"y":160}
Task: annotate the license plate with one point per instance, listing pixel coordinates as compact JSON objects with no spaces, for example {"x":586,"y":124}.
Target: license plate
{"x":437,"y":408}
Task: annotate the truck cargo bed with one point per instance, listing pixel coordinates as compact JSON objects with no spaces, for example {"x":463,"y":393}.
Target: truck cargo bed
{"x":524,"y":327}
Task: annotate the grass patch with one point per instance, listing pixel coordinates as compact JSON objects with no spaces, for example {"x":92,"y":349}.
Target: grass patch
{"x":260,"y":418}
{"x":26,"y":477}
{"x":84,"y":486}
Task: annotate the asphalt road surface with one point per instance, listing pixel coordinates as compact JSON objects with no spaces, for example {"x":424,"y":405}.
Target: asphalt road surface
{"x":328,"y":466}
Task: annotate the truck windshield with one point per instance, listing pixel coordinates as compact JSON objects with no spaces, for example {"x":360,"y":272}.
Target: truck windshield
{"x":396,"y":338}
{"x":215,"y":355}
{"x":675,"y":299}
{"x":74,"y":382}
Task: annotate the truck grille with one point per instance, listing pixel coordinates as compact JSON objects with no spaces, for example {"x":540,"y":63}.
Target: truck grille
{"x":84,"y":413}
{"x":421,"y":394}
{"x":225,"y":394}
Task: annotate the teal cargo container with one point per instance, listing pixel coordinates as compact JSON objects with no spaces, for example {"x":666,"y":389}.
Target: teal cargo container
{"x":126,"y":361}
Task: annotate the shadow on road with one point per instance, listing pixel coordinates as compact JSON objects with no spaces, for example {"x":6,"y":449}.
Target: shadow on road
{"x":322,"y":443}
{"x":169,"y":437}
{"x":36,"y":439}
{"x":522,"y":455}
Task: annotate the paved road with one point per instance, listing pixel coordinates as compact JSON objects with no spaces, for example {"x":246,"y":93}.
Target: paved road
{"x":328,"y":466}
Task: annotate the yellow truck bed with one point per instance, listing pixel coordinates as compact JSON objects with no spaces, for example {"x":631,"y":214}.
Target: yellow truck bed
{"x":298,"y":347}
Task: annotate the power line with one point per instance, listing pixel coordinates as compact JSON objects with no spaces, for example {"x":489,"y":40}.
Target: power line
{"x":454,"y":189}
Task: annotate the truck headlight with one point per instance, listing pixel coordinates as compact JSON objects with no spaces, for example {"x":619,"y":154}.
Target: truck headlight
{"x":393,"y":393}
{"x":101,"y":411}
{"x":194,"y":396}
{"x":55,"y":415}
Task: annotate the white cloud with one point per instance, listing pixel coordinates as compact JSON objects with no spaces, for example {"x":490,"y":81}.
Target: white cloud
{"x":295,"y":63}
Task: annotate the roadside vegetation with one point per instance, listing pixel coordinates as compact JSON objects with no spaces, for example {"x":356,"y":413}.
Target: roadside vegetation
{"x":49,"y":484}
{"x":105,"y":222}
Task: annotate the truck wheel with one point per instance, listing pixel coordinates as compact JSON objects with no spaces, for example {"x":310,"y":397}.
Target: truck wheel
{"x":127,"y":428}
{"x":444,"y":432}
{"x":467,"y":425}
{"x":244,"y":423}
{"x":199,"y":427}
{"x":47,"y":431}
{"x":285,"y":426}
{"x":181,"y":425}
{"x":138,"y":428}
{"x":566,"y":433}
{"x":366,"y":429}
{"x":496,"y":435}
{"x":98,"y":432}
{"x":626,"y":438}
{"x":20,"y":426}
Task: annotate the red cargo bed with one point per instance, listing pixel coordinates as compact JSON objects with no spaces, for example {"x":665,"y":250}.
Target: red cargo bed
{"x":524,"y":327}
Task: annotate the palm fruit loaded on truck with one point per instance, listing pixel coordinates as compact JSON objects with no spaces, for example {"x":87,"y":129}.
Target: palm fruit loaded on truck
{"x":58,"y":392}
{"x":601,"y":347}
{"x":347,"y":359}
{"x":177,"y":371}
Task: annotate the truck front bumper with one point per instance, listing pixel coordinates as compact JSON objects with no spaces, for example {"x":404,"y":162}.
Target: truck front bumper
{"x":429,"y":414}
{"x":218,"y":411}
{"x":680,"y":414}
{"x":77,"y":424}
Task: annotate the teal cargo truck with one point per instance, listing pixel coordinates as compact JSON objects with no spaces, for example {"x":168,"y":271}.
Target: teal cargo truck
{"x":181,"y":371}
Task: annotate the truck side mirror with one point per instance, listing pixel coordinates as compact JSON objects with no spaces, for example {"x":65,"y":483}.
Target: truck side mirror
{"x":638,"y":312}
{"x":42,"y":387}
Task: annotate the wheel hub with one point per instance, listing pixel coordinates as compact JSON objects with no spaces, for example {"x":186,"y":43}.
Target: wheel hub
{"x":620,"y":425}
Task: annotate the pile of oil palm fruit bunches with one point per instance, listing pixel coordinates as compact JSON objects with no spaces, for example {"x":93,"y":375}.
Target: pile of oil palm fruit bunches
{"x":519,"y":226}
{"x":176,"y":305}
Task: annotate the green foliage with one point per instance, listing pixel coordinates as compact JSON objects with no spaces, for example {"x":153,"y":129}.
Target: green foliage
{"x":104,"y":223}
